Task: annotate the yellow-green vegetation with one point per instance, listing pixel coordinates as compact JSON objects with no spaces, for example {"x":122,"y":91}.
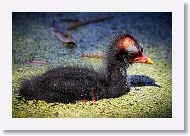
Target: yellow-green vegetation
{"x":141,"y":102}
{"x":33,"y":40}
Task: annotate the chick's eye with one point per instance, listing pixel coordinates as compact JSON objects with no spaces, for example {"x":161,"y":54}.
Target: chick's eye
{"x":132,"y":54}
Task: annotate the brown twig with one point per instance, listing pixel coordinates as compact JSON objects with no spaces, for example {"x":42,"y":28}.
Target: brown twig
{"x":40,"y":62}
{"x":62,"y":35}
{"x":96,"y":56}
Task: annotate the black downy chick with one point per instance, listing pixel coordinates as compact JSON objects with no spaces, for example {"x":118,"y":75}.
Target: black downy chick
{"x":71,"y":84}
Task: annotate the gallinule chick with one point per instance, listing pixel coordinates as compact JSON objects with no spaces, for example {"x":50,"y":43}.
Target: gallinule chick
{"x":71,"y":84}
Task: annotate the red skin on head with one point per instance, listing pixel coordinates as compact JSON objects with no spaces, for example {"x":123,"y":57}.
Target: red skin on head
{"x":125,"y":44}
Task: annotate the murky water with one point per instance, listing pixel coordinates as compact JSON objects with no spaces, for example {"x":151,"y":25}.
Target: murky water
{"x":33,"y":38}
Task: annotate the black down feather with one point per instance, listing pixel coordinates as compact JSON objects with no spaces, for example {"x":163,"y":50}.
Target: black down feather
{"x":70,"y":84}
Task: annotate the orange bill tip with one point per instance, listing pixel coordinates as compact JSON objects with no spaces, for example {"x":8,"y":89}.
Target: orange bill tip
{"x":149,"y":61}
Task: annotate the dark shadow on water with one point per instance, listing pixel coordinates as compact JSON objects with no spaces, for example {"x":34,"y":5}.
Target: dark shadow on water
{"x":141,"y":80}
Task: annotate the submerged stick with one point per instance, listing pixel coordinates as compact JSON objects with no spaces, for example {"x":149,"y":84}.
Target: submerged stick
{"x":63,"y":35}
{"x":40,"y":62}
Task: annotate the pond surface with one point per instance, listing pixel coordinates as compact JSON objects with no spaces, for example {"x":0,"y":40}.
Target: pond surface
{"x":33,"y":38}
{"x":34,"y":41}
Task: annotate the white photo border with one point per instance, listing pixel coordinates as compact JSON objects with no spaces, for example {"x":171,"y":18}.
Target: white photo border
{"x":174,"y":123}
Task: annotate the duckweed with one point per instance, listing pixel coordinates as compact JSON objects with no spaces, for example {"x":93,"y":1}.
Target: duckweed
{"x":33,"y":40}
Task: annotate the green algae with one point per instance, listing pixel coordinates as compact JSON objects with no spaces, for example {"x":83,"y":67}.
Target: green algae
{"x":33,"y":40}
{"x":144,"y":102}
